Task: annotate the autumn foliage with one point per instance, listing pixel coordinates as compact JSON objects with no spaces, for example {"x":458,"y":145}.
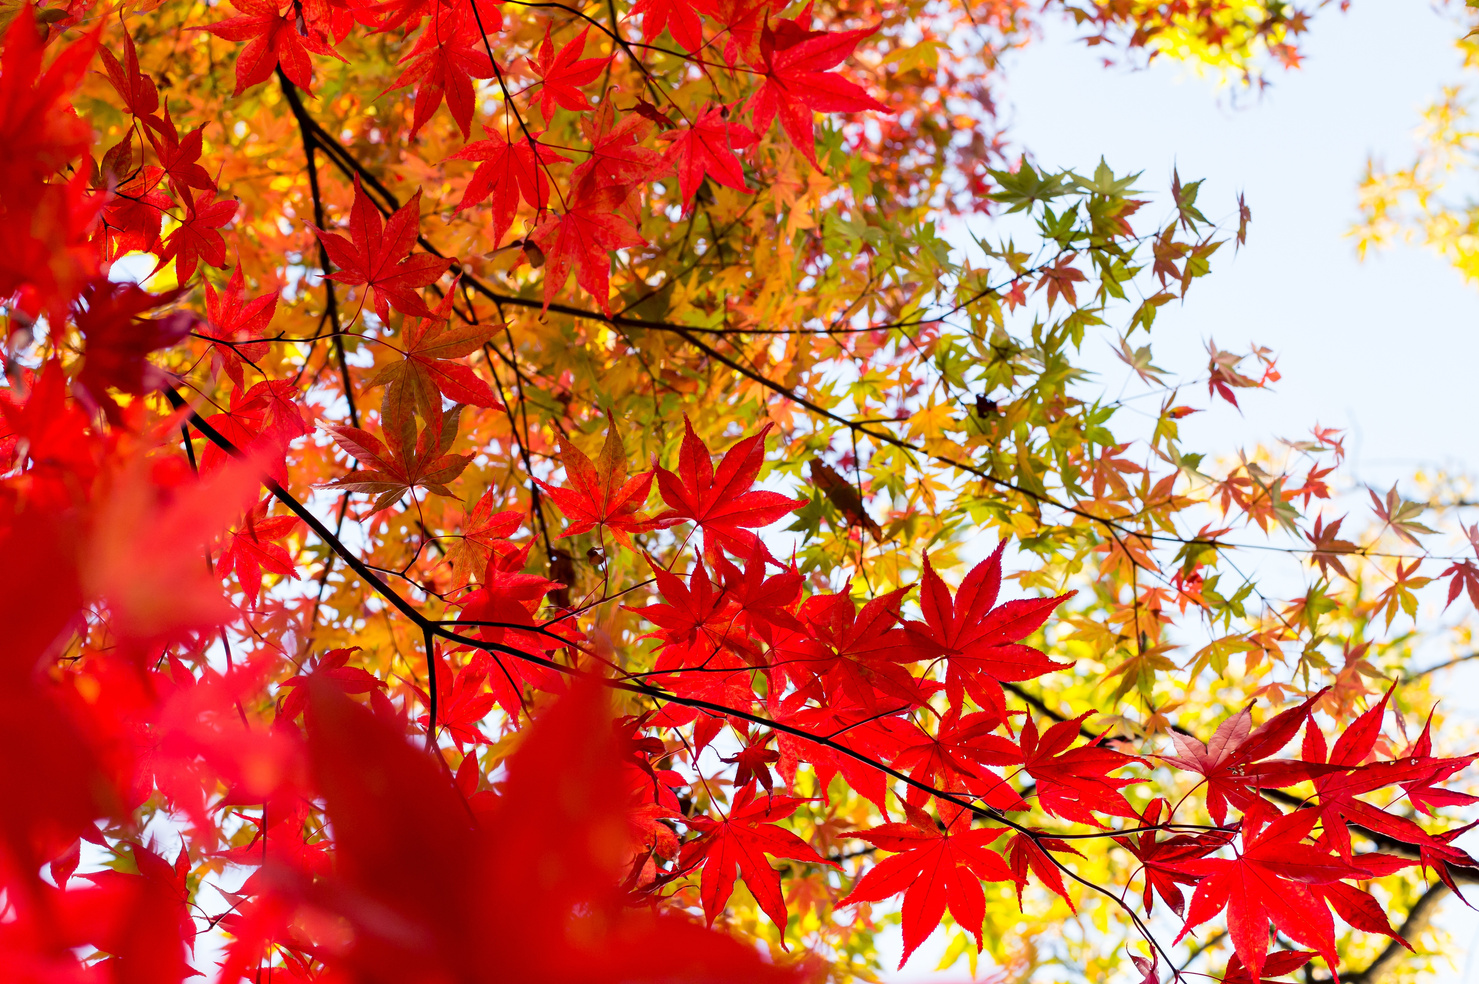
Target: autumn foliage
{"x":535,"y":492}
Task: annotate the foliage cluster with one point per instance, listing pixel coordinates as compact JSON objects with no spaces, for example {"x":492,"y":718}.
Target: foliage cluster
{"x":339,"y":652}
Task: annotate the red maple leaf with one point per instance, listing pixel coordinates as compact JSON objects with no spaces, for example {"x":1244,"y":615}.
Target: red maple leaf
{"x":795,"y":62}
{"x":564,"y":74}
{"x":1231,"y":762}
{"x":118,"y":340}
{"x":708,"y":148}
{"x":1280,"y":963}
{"x":39,"y":130}
{"x":235,"y":325}
{"x":261,"y":421}
{"x":957,"y":758}
{"x":1346,"y":778}
{"x":979,"y":641}
{"x":179,"y":157}
{"x":696,"y":619}
{"x":721,"y":502}
{"x":448,"y":54}
{"x":431,"y":370}
{"x":599,"y":493}
{"x":1072,"y":782}
{"x":463,"y":700}
{"x":678,"y":16}
{"x":859,"y":651}
{"x":196,"y":238}
{"x":1028,"y":852}
{"x":276,"y":34}
{"x":1422,"y":793}
{"x":484,"y":534}
{"x":1160,"y":857}
{"x":509,"y":171}
{"x":134,"y":214}
{"x":617,"y":156}
{"x":422,"y":889}
{"x":379,"y":255}
{"x":583,"y":237}
{"x":743,"y":838}
{"x":140,"y":96}
{"x":334,"y":667}
{"x":752,"y":764}
{"x":935,"y":866}
{"x":1465,"y":577}
{"x":251,"y":547}
{"x":1269,"y":881}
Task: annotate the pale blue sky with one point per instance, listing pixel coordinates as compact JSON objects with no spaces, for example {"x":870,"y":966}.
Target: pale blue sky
{"x":1384,"y":348}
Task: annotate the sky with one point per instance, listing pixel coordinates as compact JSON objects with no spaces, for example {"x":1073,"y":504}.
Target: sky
{"x":1385,"y":349}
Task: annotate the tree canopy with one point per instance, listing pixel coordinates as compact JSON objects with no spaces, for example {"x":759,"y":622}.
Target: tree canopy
{"x":551,"y":492}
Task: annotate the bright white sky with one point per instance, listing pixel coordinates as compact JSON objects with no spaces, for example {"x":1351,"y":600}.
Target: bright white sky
{"x":1385,"y":349}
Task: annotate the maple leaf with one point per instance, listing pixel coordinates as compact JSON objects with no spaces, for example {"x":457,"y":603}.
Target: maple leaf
{"x":119,"y":341}
{"x":1231,"y":763}
{"x":1465,"y":576}
{"x":617,"y":157}
{"x":196,"y":238}
{"x":958,"y":757}
{"x":1328,"y":548}
{"x":235,"y":325}
{"x":426,"y":890}
{"x":1073,"y":781}
{"x":690,"y":612}
{"x":1027,"y":851}
{"x":978,"y":638}
{"x":38,"y":129}
{"x":261,"y":421}
{"x":562,"y":75}
{"x":134,"y":214}
{"x":332,"y":666}
{"x":394,"y":466}
{"x":742,"y":839}
{"x":140,"y":96}
{"x":1346,"y":778}
{"x":1422,"y":793}
{"x":583,"y":237}
{"x":845,"y":496}
{"x":859,"y":650}
{"x":935,"y":866}
{"x":1399,"y":515}
{"x":1279,"y":963}
{"x":678,"y":16}
{"x":143,"y":920}
{"x":276,"y":36}
{"x":794,"y":62}
{"x":447,"y":56}
{"x":1269,"y":881}
{"x":599,"y":493}
{"x":429,"y":371}
{"x":1160,"y":857}
{"x":462,"y":700}
{"x":721,"y":503}
{"x":379,"y":256}
{"x":509,"y":171}
{"x":178,"y":158}
{"x":1222,"y":374}
{"x":484,"y":533}
{"x":752,"y":763}
{"x":251,"y":547}
{"x":1060,"y":278}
